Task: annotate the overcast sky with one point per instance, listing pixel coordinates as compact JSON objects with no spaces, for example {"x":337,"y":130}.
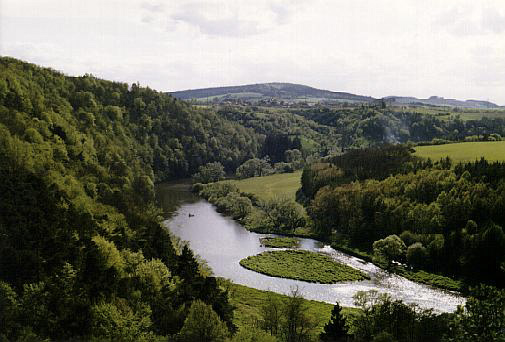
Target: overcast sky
{"x":450,"y":48}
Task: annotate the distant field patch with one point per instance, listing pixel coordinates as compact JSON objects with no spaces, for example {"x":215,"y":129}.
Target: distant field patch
{"x":464,"y":152}
{"x":483,"y":114}
{"x":284,"y":184}
{"x":302,"y":265}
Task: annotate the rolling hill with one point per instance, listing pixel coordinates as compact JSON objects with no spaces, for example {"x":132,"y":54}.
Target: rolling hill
{"x":292,"y":93}
{"x":281,"y":91}
{"x":440,"y":101}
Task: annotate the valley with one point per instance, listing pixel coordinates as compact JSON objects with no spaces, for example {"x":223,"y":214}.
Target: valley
{"x":102,"y":238}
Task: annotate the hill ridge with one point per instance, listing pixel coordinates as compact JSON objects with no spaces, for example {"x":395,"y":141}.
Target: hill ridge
{"x":280,"y":90}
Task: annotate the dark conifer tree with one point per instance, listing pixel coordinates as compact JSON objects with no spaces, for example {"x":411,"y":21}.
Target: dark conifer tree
{"x":335,"y":330}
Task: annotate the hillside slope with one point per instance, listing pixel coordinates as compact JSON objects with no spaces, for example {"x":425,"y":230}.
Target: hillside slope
{"x":83,"y":254}
{"x":281,"y":91}
{"x":440,"y":101}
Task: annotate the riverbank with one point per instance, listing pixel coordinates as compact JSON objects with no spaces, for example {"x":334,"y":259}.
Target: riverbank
{"x":418,"y":276}
{"x":248,"y":304}
{"x":222,"y":243}
{"x":226,"y":197}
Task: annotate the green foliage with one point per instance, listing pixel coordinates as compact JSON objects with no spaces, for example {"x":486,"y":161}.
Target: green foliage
{"x":423,"y":277}
{"x":83,"y":254}
{"x":9,"y":311}
{"x":253,"y":335}
{"x":203,"y":324}
{"x":280,"y":242}
{"x":227,"y":198}
{"x":417,"y":255}
{"x":254,"y":168}
{"x":389,"y":249}
{"x":366,"y":126}
{"x":270,"y":215}
{"x":292,"y":264}
{"x":335,"y":330}
{"x":250,"y":304}
{"x":280,"y":214}
{"x":483,"y":318}
{"x":108,"y":254}
{"x":284,"y":130}
{"x":384,"y":319}
{"x":208,"y":173}
{"x":288,"y":320}
{"x":452,"y":217}
{"x":118,"y":321}
{"x":296,"y":325}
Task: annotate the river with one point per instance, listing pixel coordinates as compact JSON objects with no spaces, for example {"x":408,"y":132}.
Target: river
{"x":222,"y":243}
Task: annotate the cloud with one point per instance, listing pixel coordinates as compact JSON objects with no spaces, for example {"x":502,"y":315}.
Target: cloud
{"x":227,"y":26}
{"x":468,"y":20}
{"x":359,"y":46}
{"x":493,"y":20}
{"x":217,"y":18}
{"x":153,"y":6}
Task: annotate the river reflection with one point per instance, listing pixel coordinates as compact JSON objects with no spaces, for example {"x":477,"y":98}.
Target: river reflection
{"x":223,"y":242}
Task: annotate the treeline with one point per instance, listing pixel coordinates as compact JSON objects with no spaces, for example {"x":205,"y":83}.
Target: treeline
{"x":378,"y":318}
{"x":279,"y":215}
{"x":83,"y":254}
{"x":369,"y":126}
{"x":361,"y":164}
{"x":171,"y":136}
{"x":435,"y":218}
{"x":283,"y":131}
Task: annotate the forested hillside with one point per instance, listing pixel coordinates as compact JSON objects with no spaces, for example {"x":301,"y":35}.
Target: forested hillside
{"x":82,"y":250}
{"x":266,"y":91}
{"x":374,"y":125}
{"x":432,"y":216}
{"x":83,"y":254}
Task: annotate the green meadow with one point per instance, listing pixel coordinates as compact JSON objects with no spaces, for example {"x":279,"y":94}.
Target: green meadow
{"x":284,"y":184}
{"x":248,"y":303}
{"x":464,"y":152}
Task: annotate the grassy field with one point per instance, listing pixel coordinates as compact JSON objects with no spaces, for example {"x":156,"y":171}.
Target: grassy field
{"x":436,"y":280}
{"x":284,"y":184}
{"x":293,"y":264}
{"x":446,"y":113}
{"x":464,"y":152}
{"x":280,"y":242}
{"x":248,"y":303}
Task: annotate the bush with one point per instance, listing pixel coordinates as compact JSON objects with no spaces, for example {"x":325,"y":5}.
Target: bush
{"x":389,"y":249}
{"x":208,"y":173}
{"x":417,"y":255}
{"x":254,"y":168}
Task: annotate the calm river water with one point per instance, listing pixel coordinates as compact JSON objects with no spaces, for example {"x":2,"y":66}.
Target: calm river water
{"x":223,"y":242}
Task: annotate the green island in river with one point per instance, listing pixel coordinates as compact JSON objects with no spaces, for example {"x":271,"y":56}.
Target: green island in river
{"x":293,"y":264}
{"x":280,"y":242}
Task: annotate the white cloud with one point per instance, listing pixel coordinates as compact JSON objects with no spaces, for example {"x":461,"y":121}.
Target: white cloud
{"x":451,"y":48}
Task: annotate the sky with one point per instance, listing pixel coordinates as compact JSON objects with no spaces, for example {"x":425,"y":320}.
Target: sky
{"x":449,"y":48}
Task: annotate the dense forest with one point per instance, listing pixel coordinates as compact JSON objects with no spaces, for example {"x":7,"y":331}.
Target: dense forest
{"x":82,"y":250}
{"x":429,"y":215}
{"x":84,"y":256}
{"x":366,"y":126}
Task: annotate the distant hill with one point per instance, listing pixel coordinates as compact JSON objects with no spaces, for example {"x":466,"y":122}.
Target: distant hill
{"x":290,"y":92}
{"x":264,"y":91}
{"x":440,"y":101}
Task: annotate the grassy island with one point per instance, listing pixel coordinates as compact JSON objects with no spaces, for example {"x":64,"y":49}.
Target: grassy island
{"x":302,"y":265}
{"x":280,"y":242}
